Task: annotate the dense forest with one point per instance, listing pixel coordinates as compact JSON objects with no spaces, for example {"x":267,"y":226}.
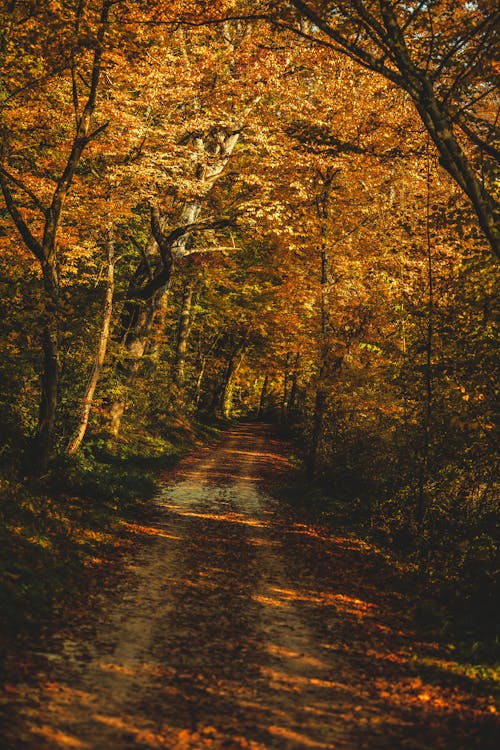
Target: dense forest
{"x":281,"y":211}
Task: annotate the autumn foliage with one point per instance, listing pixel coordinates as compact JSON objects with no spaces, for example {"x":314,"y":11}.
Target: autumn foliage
{"x":282,"y":210}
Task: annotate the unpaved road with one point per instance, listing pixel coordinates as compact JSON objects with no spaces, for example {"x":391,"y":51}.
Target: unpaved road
{"x":233,"y":627}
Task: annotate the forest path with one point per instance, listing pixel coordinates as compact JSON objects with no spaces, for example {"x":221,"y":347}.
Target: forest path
{"x":235,"y":627}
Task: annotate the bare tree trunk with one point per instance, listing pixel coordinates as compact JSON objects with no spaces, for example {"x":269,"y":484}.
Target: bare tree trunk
{"x":321,"y":397}
{"x":97,"y":367}
{"x":146,"y":299}
{"x":286,"y":381}
{"x":199,"y":381}
{"x":115,"y":417}
{"x":202,"y":365}
{"x":227,"y":397}
{"x":158,"y":324}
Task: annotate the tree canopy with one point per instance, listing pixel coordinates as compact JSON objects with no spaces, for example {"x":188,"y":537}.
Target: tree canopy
{"x":286,"y":210}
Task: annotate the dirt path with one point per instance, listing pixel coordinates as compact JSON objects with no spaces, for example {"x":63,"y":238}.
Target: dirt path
{"x":235,"y":628}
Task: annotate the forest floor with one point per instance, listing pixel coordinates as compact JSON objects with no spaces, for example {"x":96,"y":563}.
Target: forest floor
{"x":231,"y":624}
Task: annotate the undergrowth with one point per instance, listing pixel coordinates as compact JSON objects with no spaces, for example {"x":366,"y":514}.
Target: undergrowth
{"x":454,"y":610}
{"x":53,"y":530}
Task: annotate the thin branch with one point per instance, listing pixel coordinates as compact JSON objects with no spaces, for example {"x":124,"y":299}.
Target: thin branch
{"x":74,"y":91}
{"x":476,"y":139}
{"x":16,"y":181}
{"x":199,"y":226}
{"x":414,"y":13}
{"x":461,"y":41}
{"x":82,"y":137}
{"x":164,"y":245}
{"x":143,"y":256}
{"x":25,"y":232}
{"x":97,"y":131}
{"x":475,"y":100}
{"x":357,"y":53}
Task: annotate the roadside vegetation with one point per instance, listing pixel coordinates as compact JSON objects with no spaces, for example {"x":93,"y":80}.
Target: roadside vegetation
{"x":61,"y":532}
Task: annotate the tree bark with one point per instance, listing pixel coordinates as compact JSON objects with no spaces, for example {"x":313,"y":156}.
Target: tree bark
{"x":100,"y":356}
{"x":428,"y":370}
{"x":292,"y":399}
{"x":320,"y":403}
{"x":227,"y":386}
{"x":49,"y":394}
{"x":183,"y":331}
{"x":321,"y":397}
{"x":263,"y":397}
{"x":202,"y":364}
{"x":199,"y":381}
{"x":458,"y":166}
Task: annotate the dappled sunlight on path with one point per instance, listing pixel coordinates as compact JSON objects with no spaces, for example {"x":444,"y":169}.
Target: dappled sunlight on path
{"x":234,"y":627}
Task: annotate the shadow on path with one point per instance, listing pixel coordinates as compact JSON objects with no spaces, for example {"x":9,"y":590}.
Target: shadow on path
{"x":235,"y":627}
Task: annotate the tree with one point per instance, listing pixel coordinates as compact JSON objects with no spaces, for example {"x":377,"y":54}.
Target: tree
{"x":440,"y":53}
{"x":40,"y":234}
{"x":102,"y":345}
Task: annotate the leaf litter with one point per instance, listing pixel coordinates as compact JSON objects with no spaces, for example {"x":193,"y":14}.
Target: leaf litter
{"x":234,"y":625}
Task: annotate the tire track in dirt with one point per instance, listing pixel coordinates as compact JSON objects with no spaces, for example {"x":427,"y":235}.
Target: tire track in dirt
{"x":232,"y":628}
{"x":246,"y":666}
{"x":200,"y":645}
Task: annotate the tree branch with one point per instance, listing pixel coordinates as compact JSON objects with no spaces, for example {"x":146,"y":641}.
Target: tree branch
{"x":25,"y":232}
{"x":476,"y":139}
{"x":16,"y":181}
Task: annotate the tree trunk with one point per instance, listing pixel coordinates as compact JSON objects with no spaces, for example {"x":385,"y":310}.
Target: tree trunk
{"x":49,"y":394}
{"x":146,"y":301}
{"x":202,"y":359}
{"x":183,"y":332}
{"x":139,"y":319}
{"x":115,"y":417}
{"x":227,"y":389}
{"x":263,"y":397}
{"x":199,"y":381}
{"x":458,"y":166}
{"x":97,"y":367}
{"x":292,"y":399}
{"x":286,"y":381}
{"x":320,"y":402}
{"x":428,"y":370}
{"x":135,"y":347}
{"x":233,"y":365}
{"x":45,"y":248}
